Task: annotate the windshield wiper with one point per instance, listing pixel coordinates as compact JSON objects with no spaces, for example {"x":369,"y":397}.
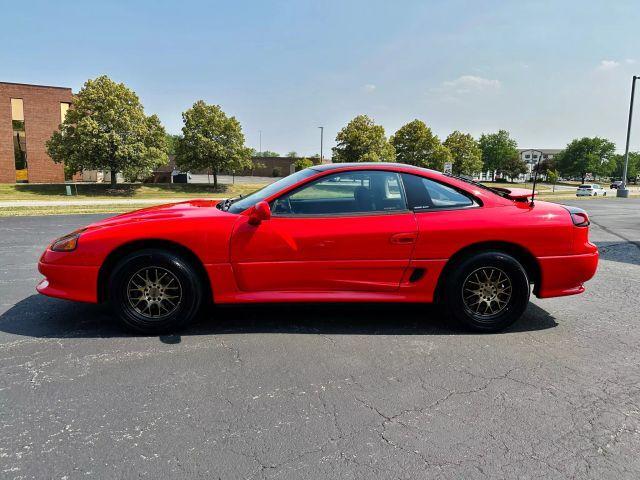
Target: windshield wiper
{"x":227,"y":202}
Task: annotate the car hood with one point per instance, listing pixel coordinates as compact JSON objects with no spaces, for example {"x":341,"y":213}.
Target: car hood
{"x":169,"y":211}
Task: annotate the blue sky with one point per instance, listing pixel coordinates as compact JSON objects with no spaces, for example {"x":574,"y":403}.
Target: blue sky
{"x":547,"y":71}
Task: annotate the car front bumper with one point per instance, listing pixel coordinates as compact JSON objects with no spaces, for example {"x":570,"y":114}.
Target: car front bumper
{"x":70,"y":282}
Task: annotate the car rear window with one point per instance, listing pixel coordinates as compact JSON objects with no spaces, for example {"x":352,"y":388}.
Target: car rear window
{"x":425,"y":194}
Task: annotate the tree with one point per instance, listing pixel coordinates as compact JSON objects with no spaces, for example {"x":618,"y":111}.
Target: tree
{"x":266,"y":153}
{"x":292,"y":154}
{"x":256,"y":166}
{"x":497,"y":150}
{"x":211,"y":140}
{"x":172,"y":143}
{"x":543,"y":168}
{"x":302,"y":163}
{"x":552,"y":176}
{"x":633,"y":168}
{"x":362,"y":141}
{"x":107,"y":129}
{"x":465,"y":152}
{"x":587,"y":155}
{"x":415,"y":144}
{"x":513,"y":166}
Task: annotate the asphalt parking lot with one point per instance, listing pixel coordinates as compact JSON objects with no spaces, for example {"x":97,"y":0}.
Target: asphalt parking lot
{"x":323,"y":392}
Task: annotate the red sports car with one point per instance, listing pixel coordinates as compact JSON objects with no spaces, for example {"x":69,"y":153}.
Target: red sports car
{"x":368,"y":232}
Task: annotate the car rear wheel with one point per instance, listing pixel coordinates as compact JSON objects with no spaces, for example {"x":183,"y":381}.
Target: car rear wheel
{"x":155,"y":291}
{"x":488,"y":291}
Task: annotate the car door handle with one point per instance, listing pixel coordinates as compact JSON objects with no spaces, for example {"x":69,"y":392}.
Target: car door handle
{"x":403,"y":238}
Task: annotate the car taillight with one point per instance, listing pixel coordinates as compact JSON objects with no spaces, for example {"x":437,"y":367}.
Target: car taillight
{"x":578,"y":216}
{"x":580,"y":219}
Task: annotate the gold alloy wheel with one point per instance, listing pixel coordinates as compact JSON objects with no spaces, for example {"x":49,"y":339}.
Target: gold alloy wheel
{"x":154,"y":292}
{"x":486,"y":291}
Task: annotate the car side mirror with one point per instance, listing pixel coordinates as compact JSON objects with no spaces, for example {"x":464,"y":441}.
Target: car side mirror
{"x":261,"y":212}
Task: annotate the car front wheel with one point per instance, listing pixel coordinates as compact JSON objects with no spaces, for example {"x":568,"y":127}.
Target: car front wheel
{"x":488,"y":291}
{"x":155,"y":291}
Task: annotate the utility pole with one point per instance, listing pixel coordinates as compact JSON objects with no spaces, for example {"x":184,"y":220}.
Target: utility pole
{"x":622,"y":190}
{"x":260,"y":143}
{"x":321,"y":142}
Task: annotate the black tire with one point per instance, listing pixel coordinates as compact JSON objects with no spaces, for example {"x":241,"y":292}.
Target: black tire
{"x":153,"y":311}
{"x":462,"y":279}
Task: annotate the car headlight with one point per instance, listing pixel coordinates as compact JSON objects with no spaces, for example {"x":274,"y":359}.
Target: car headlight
{"x":66,"y":243}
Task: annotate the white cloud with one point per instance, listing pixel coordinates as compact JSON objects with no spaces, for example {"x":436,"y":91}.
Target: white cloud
{"x":608,"y":65}
{"x":630,"y":61}
{"x":470,"y":83}
{"x":369,"y":88}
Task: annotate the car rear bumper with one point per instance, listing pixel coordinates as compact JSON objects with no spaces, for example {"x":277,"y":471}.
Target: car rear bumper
{"x":561,"y":276}
{"x":70,"y":282}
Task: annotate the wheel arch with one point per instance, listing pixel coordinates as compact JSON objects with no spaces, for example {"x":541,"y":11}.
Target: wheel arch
{"x":520,"y":253}
{"x":119,"y":252}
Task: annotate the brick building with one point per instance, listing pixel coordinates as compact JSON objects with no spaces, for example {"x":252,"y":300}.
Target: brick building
{"x":29,"y":114}
{"x":268,"y":166}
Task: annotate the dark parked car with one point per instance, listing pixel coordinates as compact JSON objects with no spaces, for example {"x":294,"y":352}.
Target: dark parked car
{"x":616,"y":184}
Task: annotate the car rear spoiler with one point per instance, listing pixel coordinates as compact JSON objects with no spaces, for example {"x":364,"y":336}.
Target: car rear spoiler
{"x":517,"y":194}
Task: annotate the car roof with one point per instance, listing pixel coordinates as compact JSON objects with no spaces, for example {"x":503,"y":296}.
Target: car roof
{"x":367,"y":165}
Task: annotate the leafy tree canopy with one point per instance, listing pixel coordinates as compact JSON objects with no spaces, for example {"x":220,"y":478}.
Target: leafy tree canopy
{"x":514,"y":166}
{"x":302,"y":163}
{"x":211,"y":141}
{"x":634,"y":165}
{"x":552,"y":176}
{"x":415,"y":144}
{"x":465,"y":152}
{"x":587,"y":155}
{"x":497,"y":150}
{"x":107,"y":129}
{"x":362,"y":141}
{"x":266,"y":153}
{"x":292,"y":154}
{"x":172,"y":143}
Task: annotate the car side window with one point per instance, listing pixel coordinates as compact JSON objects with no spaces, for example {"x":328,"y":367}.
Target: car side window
{"x":361,"y":191}
{"x":424,"y":194}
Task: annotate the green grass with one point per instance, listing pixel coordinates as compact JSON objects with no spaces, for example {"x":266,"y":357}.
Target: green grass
{"x":130,"y":191}
{"x":69,"y":210}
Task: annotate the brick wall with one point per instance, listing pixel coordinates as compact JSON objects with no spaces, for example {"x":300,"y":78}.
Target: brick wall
{"x":41,"y":118}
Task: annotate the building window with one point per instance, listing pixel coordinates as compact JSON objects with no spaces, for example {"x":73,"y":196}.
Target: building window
{"x":19,"y":140}
{"x":527,"y":156}
{"x":64,"y":108}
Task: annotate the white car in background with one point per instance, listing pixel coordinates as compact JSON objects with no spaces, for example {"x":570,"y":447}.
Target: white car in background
{"x":591,"y":190}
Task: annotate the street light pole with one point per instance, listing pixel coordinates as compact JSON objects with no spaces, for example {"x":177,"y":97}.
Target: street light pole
{"x":260,"y":142}
{"x":321,"y":142}
{"x":623,"y":191}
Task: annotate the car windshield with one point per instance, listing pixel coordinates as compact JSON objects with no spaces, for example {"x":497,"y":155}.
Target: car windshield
{"x":585,"y":186}
{"x":240,"y":204}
